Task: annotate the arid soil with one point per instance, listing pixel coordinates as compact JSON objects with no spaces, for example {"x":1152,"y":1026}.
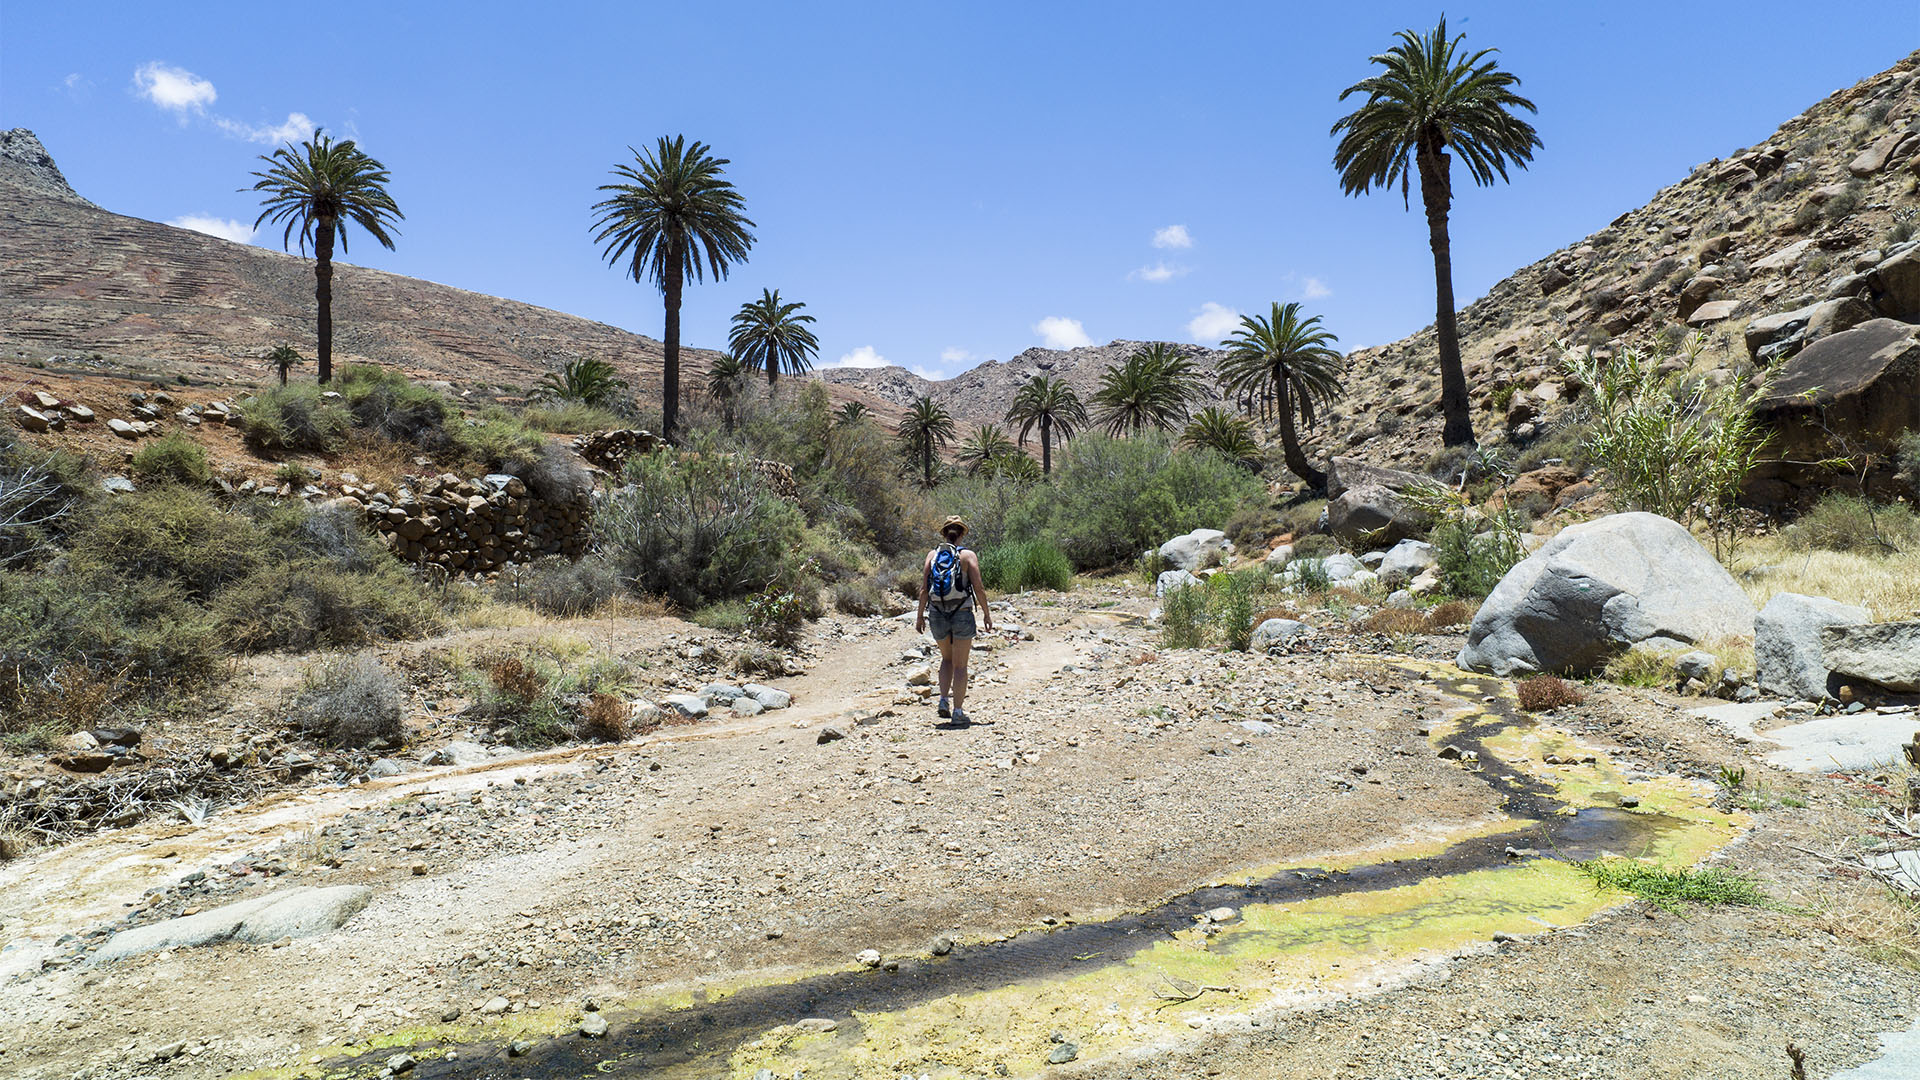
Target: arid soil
{"x":1104,"y":776}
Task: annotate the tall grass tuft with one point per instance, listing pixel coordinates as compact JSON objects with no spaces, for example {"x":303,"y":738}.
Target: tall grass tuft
{"x":1021,"y":565}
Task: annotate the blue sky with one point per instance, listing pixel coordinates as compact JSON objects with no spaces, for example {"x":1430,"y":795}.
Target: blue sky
{"x":941,"y":184}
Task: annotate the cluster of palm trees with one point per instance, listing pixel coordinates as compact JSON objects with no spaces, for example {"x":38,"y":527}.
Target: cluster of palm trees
{"x":1279,"y":367}
{"x":672,"y":214}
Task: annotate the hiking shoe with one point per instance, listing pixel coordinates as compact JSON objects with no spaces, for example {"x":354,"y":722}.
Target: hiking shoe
{"x":945,"y":709}
{"x":962,"y":718}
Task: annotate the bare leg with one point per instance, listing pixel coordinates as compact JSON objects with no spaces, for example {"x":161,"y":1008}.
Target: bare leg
{"x":960,"y":650}
{"x":946,"y":665}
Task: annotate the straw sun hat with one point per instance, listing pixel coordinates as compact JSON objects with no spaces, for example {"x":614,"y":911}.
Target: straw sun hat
{"x":951,"y":522}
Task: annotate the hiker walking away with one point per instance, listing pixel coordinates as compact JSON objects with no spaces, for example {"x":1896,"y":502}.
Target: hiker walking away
{"x":950,"y":592}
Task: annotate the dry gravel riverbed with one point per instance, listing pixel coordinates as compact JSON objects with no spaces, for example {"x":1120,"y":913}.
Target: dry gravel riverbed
{"x":1106,"y":777}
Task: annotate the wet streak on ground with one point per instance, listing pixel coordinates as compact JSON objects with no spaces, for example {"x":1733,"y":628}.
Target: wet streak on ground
{"x":702,"y":1035}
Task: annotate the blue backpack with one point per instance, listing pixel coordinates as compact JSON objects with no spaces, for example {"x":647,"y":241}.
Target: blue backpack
{"x":947,"y":582}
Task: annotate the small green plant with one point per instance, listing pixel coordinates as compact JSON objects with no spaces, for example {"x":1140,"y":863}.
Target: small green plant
{"x":588,"y":380}
{"x":550,"y":694}
{"x":777,"y":616}
{"x":1023,"y":565}
{"x":1647,"y":668}
{"x":1230,"y":605}
{"x":1732,"y":777}
{"x":1312,"y":575}
{"x":1669,"y":887}
{"x":1183,"y":618}
{"x":172,"y":458}
{"x":293,"y":419}
{"x":291,"y":475}
{"x":1843,"y":522}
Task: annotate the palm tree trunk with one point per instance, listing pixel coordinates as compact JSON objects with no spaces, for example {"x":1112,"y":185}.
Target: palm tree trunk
{"x":670,"y":375}
{"x":1046,"y":445}
{"x":323,"y":295}
{"x":773,"y":373}
{"x":1290,"y":444}
{"x":1436,"y":191}
{"x":926,"y":451}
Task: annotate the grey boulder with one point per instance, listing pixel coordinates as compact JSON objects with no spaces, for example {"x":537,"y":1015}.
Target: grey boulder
{"x":1405,"y":562}
{"x":1275,"y":633}
{"x":289,"y":913}
{"x":1171,"y":580}
{"x":1599,"y":588}
{"x":1885,"y":654}
{"x":767,"y":696}
{"x":1366,"y":504}
{"x":1341,"y":566}
{"x":1786,"y":643}
{"x":1192,"y":551}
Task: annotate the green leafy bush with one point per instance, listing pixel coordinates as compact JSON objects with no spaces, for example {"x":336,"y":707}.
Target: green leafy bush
{"x":172,"y":458}
{"x":388,"y":404}
{"x":39,"y":494}
{"x":1250,"y":528}
{"x":1843,"y":522}
{"x":540,"y":697}
{"x":1183,"y":618}
{"x":857,"y":597}
{"x":496,"y":439}
{"x":1314,"y":546}
{"x":1026,"y":564}
{"x":555,"y":585}
{"x":302,"y":606}
{"x":696,"y":529}
{"x":293,"y":419}
{"x":353,"y":702}
{"x":1470,"y":564}
{"x":1230,"y":605}
{"x":1112,"y":498}
{"x":168,"y":534}
{"x":62,"y":631}
{"x":1907,"y":460}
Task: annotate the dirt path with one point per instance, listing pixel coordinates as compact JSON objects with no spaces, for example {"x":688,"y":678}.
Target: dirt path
{"x":723,"y":861}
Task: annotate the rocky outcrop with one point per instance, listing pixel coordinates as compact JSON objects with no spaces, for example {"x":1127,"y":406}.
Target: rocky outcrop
{"x":1852,"y":394}
{"x":1197,"y":549}
{"x":1786,"y":643}
{"x":1366,"y":504}
{"x":1884,"y":654}
{"x":1600,"y":588}
{"x":290,"y":913}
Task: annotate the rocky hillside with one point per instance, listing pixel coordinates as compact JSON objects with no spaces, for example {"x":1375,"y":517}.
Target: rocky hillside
{"x":77,"y":280}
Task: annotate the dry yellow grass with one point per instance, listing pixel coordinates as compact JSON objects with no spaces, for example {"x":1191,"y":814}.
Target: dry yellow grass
{"x":1887,"y":585}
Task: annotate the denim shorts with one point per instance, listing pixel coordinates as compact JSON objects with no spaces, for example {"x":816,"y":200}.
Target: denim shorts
{"x":950,"y":624}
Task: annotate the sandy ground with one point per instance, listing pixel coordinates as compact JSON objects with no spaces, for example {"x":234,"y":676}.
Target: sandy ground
{"x":1105,"y":776}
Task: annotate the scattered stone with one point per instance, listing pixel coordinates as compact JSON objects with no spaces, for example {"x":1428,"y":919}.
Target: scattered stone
{"x":942,"y":946}
{"x":400,"y":1063}
{"x":1276,"y":634}
{"x":691,"y":706}
{"x":1063,"y":1053}
{"x":594,"y":1026}
{"x":495,"y":1006}
{"x":1406,"y":561}
{"x":767,"y":696}
{"x":869,"y":958}
{"x":1694,"y":665}
{"x":1365,"y":503}
{"x":829,"y":734}
{"x":818,"y":1025}
{"x":519,"y":1048}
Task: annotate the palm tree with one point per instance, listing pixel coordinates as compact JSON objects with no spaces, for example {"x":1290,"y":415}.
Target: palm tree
{"x":284,"y":356}
{"x":770,"y":334}
{"x":1284,"y":366}
{"x":926,"y":427}
{"x":1230,"y":436}
{"x":1051,"y":403}
{"x":1153,"y":388}
{"x":1427,"y":99}
{"x":851,"y":414}
{"x":726,"y":378}
{"x":672,"y":214}
{"x":319,"y":186}
{"x":588,"y":380}
{"x":985,"y":449}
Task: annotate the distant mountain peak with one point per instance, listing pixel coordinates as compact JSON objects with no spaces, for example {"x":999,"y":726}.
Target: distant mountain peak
{"x":24,"y":161}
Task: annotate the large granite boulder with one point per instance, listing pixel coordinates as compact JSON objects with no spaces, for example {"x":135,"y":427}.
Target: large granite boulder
{"x":1786,"y":643}
{"x":1896,"y":285}
{"x":1885,"y":654}
{"x":1862,"y":385}
{"x":302,"y":911}
{"x":1598,"y":589}
{"x":1772,"y":336}
{"x":1407,"y":560}
{"x":1366,"y":507}
{"x":1192,"y":551}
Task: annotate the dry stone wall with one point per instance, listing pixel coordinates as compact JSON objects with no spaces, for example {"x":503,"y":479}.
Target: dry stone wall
{"x":474,"y":525}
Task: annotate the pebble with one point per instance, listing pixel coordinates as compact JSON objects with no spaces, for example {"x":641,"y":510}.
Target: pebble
{"x":494,"y":1006}
{"x":594,"y":1026}
{"x":829,"y":734}
{"x":1063,"y":1053}
{"x":400,"y":1063}
{"x":869,"y":958}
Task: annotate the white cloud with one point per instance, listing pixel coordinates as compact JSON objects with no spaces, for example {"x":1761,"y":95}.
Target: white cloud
{"x":1213,"y":324}
{"x":929,"y":374}
{"x":298,"y":126}
{"x":864,"y":356}
{"x":954,"y":354}
{"x":1173,"y":236}
{"x":174,"y":89}
{"x":1315,"y":289}
{"x":1158,"y":273}
{"x":225,"y":228}
{"x":1060,"y":332}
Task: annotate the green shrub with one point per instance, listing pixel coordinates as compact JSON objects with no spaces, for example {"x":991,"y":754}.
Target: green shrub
{"x":556,"y":585}
{"x":497,"y":439}
{"x":857,"y":597}
{"x":729,"y":616}
{"x":1843,"y":522}
{"x":172,"y":458}
{"x":300,"y":606}
{"x":779,"y":616}
{"x":572,"y":418}
{"x":1470,"y":565}
{"x":1183,"y":618}
{"x":1907,"y":460}
{"x":62,"y":631}
{"x":1314,"y":546}
{"x":353,"y":702}
{"x":170,"y":534}
{"x":696,"y":529}
{"x":293,"y":419}
{"x":1302,"y":516}
{"x":1112,"y":498}
{"x":539,"y":698}
{"x":1230,"y":606}
{"x":1312,"y":574}
{"x":39,"y":494}
{"x":1566,"y":443}
{"x":1250,"y":528}
{"x":1022,"y":565}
